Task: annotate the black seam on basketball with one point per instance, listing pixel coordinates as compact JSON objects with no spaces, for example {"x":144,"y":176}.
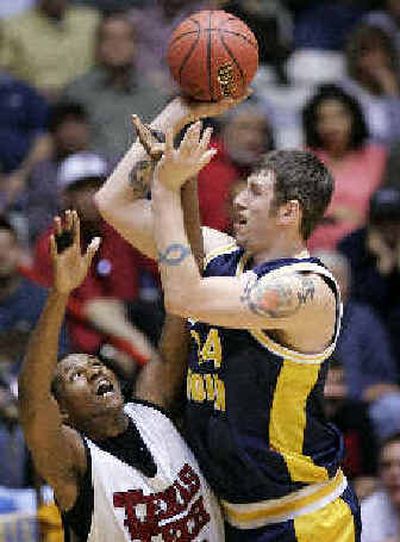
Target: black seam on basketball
{"x":188,"y":55}
{"x":196,"y":22}
{"x":239,"y":35}
{"x":182,"y":36}
{"x":229,"y":51}
{"x":208,"y":60}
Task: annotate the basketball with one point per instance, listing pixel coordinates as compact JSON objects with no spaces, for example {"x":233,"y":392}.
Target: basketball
{"x":212,"y":55}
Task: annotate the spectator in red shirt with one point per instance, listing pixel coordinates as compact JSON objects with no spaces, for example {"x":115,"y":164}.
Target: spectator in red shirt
{"x":245,"y":136}
{"x":114,"y":278}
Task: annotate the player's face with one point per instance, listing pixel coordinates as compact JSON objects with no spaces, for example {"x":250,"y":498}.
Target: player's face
{"x":254,"y":213}
{"x":390,"y":471}
{"x":334,"y":125}
{"x":88,"y":389}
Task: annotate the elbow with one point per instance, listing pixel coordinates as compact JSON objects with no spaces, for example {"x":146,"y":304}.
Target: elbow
{"x":176,"y":304}
{"x":103,"y":203}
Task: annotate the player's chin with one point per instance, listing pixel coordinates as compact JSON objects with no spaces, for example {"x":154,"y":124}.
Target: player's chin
{"x":239,"y":233}
{"x":111,"y":399}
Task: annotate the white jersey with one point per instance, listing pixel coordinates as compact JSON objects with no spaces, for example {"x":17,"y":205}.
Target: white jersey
{"x":175,"y":504}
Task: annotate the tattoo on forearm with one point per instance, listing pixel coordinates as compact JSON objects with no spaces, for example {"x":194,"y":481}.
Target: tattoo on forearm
{"x":139,"y":178}
{"x":278,"y":297}
{"x":174,"y":254}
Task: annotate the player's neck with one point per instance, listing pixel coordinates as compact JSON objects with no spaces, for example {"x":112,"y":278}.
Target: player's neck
{"x":295,"y":249}
{"x":112,"y":425}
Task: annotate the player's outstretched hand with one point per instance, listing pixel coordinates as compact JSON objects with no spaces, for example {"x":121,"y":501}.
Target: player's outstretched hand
{"x":188,"y":111}
{"x":178,"y":165}
{"x":70,"y":266}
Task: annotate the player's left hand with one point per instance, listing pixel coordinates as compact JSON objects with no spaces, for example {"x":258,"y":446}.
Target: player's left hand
{"x":178,"y":165}
{"x":70,"y":266}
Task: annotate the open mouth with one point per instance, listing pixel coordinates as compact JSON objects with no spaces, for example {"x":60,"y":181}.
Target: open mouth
{"x":104,"y":387}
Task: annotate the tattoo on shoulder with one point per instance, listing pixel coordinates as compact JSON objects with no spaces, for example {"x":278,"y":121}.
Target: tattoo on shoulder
{"x":139,"y":178}
{"x":278,"y":296}
{"x":306,"y":290}
{"x":174,"y":254}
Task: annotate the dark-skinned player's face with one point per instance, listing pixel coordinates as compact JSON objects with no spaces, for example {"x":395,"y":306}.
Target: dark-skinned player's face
{"x":88,"y":389}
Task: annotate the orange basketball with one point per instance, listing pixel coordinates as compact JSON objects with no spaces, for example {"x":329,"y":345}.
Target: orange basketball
{"x":213,"y":55}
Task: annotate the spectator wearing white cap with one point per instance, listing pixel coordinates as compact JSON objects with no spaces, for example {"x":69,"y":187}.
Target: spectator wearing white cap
{"x":114,"y":277}
{"x":70,"y":133}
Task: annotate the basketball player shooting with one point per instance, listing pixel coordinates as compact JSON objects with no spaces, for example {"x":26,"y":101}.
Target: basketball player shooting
{"x":119,"y":472}
{"x":264,"y":321}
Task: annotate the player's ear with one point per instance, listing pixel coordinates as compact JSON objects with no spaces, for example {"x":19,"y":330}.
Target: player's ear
{"x":289,"y":213}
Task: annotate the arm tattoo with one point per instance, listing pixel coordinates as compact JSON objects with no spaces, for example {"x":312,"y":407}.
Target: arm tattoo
{"x":306,"y":291}
{"x":139,"y":178}
{"x":174,"y":254}
{"x":279,"y":296}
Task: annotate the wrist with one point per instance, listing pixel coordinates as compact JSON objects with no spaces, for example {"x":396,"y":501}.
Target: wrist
{"x":174,"y":115}
{"x":60,"y":295}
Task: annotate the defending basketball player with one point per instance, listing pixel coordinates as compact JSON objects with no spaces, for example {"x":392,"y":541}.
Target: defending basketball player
{"x":265,"y":317}
{"x":119,"y":472}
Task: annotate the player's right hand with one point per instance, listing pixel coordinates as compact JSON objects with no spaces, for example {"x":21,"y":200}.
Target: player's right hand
{"x":185,"y":111}
{"x":70,"y":266}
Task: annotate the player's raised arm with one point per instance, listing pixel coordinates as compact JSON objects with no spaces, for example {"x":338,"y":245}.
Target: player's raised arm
{"x":160,"y":380}
{"x":57,"y":450}
{"x":277,"y":301}
{"x":122,"y":199}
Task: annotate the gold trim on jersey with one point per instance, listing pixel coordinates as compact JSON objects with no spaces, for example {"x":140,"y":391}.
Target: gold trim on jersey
{"x":220,"y":251}
{"x":293,"y":355}
{"x":288,"y":419}
{"x":298,"y":503}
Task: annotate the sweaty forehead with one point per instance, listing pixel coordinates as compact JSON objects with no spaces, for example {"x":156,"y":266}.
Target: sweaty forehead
{"x":75,"y":360}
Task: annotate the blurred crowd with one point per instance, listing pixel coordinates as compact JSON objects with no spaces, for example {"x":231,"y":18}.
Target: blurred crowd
{"x":72,"y":73}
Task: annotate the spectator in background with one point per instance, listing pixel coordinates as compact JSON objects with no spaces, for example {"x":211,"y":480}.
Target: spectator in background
{"x":106,"y":6}
{"x":49,"y":45}
{"x":335,"y":130}
{"x":388,"y":19}
{"x":380,"y":512}
{"x":351,"y":417}
{"x":245,"y":135}
{"x":320,"y":31}
{"x":114,"y":89}
{"x":21,"y":303}
{"x":363,"y":349}
{"x":70,"y":133}
{"x":373,"y":252}
{"x":326,"y":26}
{"x":272,"y":25}
{"x":13,"y":453}
{"x":154,"y":22}
{"x":13,"y":7}
{"x":373,"y":78}
{"x":23,"y":139}
{"x":114,"y":277}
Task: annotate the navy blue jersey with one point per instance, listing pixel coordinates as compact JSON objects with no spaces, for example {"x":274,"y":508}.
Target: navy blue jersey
{"x":255,"y":417}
